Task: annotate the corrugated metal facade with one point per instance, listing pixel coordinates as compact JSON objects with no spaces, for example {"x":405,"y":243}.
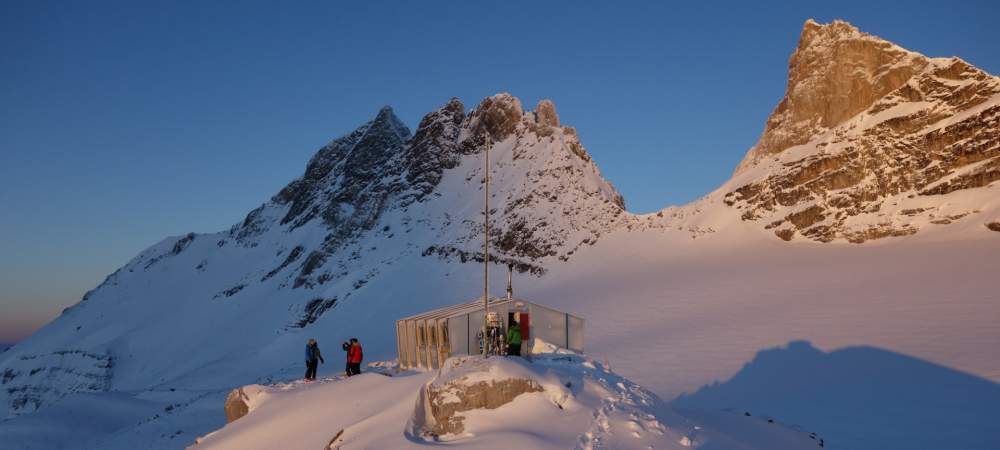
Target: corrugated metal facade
{"x":427,"y":339}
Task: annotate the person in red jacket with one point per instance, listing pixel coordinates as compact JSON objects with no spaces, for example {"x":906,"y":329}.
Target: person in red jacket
{"x":354,"y":357}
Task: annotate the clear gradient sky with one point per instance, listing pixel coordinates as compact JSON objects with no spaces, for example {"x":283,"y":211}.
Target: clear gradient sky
{"x":124,"y":122}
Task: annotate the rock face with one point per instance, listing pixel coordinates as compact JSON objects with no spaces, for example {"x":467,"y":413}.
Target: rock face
{"x":545,"y":114}
{"x":835,"y":73}
{"x":38,"y":379}
{"x":433,"y":150}
{"x":237,"y":404}
{"x":866,"y":139}
{"x":467,"y":383}
{"x":446,"y":402}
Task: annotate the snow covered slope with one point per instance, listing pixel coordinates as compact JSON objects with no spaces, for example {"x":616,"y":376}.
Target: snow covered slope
{"x":385,"y":223}
{"x":564,"y":401}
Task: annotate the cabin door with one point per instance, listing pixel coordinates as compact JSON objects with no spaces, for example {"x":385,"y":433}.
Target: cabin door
{"x":523,"y":319}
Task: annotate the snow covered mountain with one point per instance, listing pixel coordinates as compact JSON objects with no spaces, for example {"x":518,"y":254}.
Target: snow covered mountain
{"x":365,"y":201}
{"x":871,"y":141}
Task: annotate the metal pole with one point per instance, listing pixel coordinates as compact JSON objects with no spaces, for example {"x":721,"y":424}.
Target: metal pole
{"x":510,"y":285}
{"x":486,"y":247}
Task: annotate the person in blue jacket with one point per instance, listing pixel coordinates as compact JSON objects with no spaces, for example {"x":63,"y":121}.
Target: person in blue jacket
{"x":313,"y":357}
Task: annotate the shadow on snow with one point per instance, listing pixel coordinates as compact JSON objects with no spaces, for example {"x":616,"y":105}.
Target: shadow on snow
{"x":861,"y":398}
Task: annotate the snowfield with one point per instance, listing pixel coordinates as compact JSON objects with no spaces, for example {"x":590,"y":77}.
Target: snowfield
{"x":696,"y":312}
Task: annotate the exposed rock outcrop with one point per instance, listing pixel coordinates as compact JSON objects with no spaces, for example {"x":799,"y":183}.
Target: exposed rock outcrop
{"x":864,"y":128}
{"x":498,"y":115}
{"x":545,"y":113}
{"x":835,"y":73}
{"x":237,"y":404}
{"x":446,"y":402}
{"x":470,"y":383}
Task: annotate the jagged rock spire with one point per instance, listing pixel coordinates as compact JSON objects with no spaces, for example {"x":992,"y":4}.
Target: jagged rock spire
{"x":545,"y":113}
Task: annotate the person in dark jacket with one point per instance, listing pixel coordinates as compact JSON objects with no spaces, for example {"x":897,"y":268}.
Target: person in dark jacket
{"x":347,"y":361}
{"x":354,"y":357}
{"x":313,"y":357}
{"x":514,"y":339}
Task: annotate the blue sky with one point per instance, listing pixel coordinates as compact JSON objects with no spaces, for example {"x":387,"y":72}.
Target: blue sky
{"x":125,"y":122}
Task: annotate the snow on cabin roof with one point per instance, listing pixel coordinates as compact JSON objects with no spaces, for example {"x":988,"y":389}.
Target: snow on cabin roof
{"x":458,"y":307}
{"x":461,"y":308}
{"x":465,"y":308}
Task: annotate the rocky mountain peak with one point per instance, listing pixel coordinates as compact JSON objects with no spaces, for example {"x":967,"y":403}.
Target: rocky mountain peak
{"x":453,"y":104}
{"x":866,"y":136}
{"x":432,"y":124}
{"x":814,"y":32}
{"x":350,"y":174}
{"x":835,"y":73}
{"x":498,"y":114}
{"x":551,"y":198}
{"x":387,"y":121}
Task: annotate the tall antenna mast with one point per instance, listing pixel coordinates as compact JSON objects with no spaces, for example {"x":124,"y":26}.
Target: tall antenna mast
{"x":486,"y":247}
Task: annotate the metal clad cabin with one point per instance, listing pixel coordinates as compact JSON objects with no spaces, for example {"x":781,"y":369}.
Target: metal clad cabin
{"x":427,"y":339}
